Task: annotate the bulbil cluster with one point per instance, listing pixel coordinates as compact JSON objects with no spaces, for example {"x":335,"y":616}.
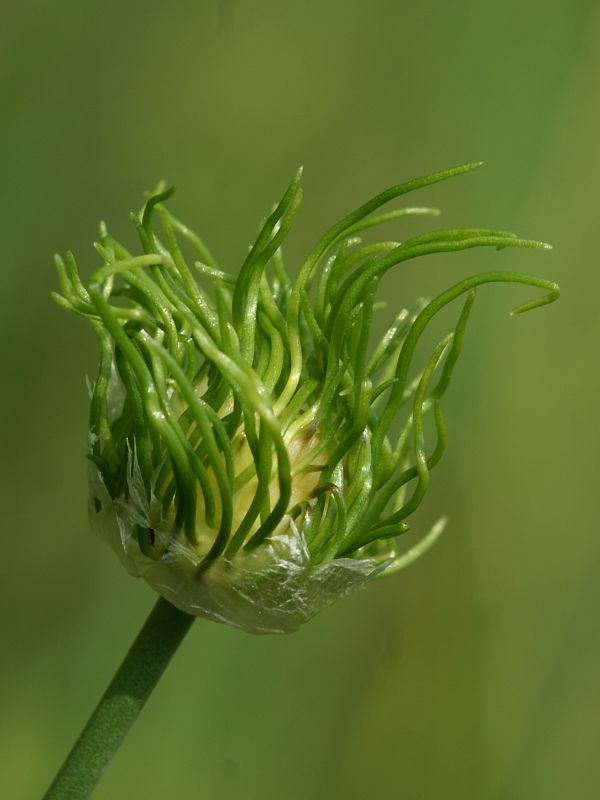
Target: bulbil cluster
{"x":252,"y":453}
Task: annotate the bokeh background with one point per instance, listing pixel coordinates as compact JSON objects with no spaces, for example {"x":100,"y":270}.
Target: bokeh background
{"x":475,"y":673}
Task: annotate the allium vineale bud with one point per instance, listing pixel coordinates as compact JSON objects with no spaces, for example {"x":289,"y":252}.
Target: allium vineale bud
{"x":251,"y":452}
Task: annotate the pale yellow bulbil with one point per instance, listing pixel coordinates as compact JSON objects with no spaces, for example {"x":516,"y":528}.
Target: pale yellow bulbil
{"x":300,"y":447}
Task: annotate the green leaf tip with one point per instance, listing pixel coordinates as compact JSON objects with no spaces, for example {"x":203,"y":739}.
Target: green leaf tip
{"x":253,"y":453}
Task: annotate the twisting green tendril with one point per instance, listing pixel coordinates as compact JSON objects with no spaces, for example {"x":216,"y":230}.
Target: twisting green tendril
{"x":241,"y":426}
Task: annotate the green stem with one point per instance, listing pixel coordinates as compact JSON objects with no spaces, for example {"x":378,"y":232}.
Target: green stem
{"x":155,"y":645}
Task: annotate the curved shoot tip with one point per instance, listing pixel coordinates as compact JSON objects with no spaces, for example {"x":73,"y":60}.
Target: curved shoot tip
{"x":469,"y":167}
{"x":162,"y":190}
{"x":294,"y":186}
{"x":461,"y":169}
{"x":61,"y":301}
{"x":530,"y":244}
{"x":161,"y":196}
{"x":552,"y":295}
{"x":157,"y":197}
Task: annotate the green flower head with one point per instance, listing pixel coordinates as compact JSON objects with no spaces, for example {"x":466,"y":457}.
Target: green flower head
{"x":252,"y":454}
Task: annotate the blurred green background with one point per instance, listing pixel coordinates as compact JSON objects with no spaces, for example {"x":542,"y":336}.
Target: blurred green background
{"x":475,"y":673}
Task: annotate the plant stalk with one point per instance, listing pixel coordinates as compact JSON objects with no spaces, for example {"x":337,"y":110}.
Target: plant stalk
{"x":132,"y":685}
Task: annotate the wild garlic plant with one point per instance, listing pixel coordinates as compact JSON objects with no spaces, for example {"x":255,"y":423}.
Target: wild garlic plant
{"x":253,"y":454}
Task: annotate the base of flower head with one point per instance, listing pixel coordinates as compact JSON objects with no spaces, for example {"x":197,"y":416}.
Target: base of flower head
{"x":273,"y":589}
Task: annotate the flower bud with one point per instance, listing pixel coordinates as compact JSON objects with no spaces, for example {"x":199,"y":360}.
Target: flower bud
{"x":252,"y":455}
